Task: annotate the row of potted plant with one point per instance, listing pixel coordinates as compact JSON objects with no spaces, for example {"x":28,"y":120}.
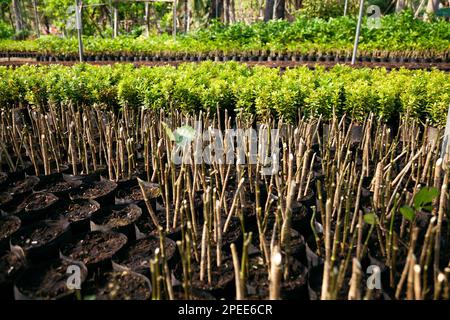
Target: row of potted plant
{"x":398,"y":36}
{"x":235,"y":87}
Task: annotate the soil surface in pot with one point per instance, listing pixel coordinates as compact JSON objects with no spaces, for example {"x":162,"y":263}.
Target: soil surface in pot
{"x":221,"y":277}
{"x":133,"y":194}
{"x":196,"y":294}
{"x":23,"y":186}
{"x":123,"y":285}
{"x":94,"y":247}
{"x":37,"y":201}
{"x":8,"y":225}
{"x":258,"y":284}
{"x":147,"y":227}
{"x":94,"y":190}
{"x":139,"y":253}
{"x":61,"y":186}
{"x":82,"y":209}
{"x":46,"y":282}
{"x":39,"y":234}
{"x":3,"y":177}
{"x":120,"y":216}
{"x":5,"y":198}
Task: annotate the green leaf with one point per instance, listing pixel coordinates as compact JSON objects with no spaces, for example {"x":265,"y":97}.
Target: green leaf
{"x":425,"y":197}
{"x":370,"y":218}
{"x":408,"y":213}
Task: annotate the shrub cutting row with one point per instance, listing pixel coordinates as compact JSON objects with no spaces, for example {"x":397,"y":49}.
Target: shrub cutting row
{"x":263,"y":91}
{"x":399,"y":36}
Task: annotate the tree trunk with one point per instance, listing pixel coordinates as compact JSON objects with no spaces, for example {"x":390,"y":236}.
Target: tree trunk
{"x":216,"y":9}
{"x":400,"y":5}
{"x":36,"y":19}
{"x":280,"y":10}
{"x":186,"y":16}
{"x":275,"y":9}
{"x":226,"y":10}
{"x":433,"y":6}
{"x":233,"y":11}
{"x":18,"y":21}
{"x":268,"y":14}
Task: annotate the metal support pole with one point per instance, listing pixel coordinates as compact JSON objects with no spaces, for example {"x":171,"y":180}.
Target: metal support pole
{"x":345,"y":7}
{"x":445,"y":142}
{"x":358,"y":31}
{"x":174,"y":30}
{"x":79,"y":21}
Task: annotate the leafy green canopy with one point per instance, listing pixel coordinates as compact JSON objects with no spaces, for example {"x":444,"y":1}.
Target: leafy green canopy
{"x":233,"y":86}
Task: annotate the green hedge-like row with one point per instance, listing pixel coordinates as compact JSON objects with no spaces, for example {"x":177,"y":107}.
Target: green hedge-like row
{"x":398,"y":35}
{"x":232,"y":86}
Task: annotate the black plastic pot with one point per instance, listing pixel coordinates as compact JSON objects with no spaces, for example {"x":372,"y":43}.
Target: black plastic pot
{"x":23,"y":187}
{"x":12,"y":264}
{"x":315,"y":275}
{"x":79,"y":214}
{"x":136,"y":255}
{"x":56,"y":232}
{"x":196,"y":294}
{"x":59,"y":184}
{"x":120,"y":284}
{"x":8,"y":226}
{"x":5,"y":200}
{"x":88,"y":247}
{"x":29,"y":213}
{"x":105,"y":197}
{"x":37,"y":283}
{"x":118,"y":218}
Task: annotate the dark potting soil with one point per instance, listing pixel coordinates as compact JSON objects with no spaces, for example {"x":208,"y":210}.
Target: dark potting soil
{"x":129,"y":195}
{"x":196,"y":294}
{"x":138,"y":256}
{"x":5,"y":198}
{"x":39,"y":234}
{"x":23,"y":186}
{"x":8,"y":225}
{"x":120,"y":217}
{"x":62,"y":186}
{"x":37,"y":201}
{"x":10,"y":264}
{"x":221,"y":277}
{"x":81,"y":209}
{"x":258,"y":284}
{"x":95,"y":190}
{"x":3,"y":177}
{"x":94,"y":247}
{"x":147,"y":227}
{"x":124,"y":285}
{"x":46,"y":282}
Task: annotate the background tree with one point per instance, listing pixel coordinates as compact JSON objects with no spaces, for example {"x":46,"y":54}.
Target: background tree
{"x":275,"y":9}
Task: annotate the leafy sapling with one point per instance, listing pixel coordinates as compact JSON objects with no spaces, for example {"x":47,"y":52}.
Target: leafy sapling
{"x":423,"y":201}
